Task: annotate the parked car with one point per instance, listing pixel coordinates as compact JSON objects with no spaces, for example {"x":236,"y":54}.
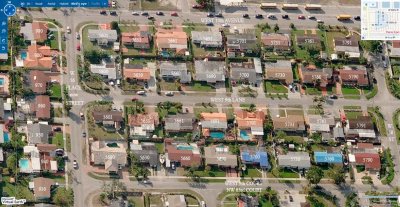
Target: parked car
{"x":245,"y":15}
{"x":259,"y":16}
{"x":77,"y":36}
{"x":84,"y":134}
{"x":169,"y":93}
{"x":174,"y":14}
{"x":196,"y":6}
{"x":333,"y":97}
{"x":271,"y":16}
{"x":311,"y":17}
{"x":113,"y":13}
{"x":141,"y":93}
{"x":210,"y":14}
{"x":68,"y":30}
{"x":320,"y":21}
{"x":103,"y":12}
{"x":151,"y":18}
{"x":160,"y":13}
{"x":78,"y":47}
{"x":219,"y":14}
{"x":358,"y":18}
{"x":301,"y":17}
{"x":145,"y":13}
{"x":285,"y":16}
{"x":134,"y":99}
{"x":225,"y":25}
{"x":135,"y":13}
{"x":75,"y":164}
{"x":210,"y":24}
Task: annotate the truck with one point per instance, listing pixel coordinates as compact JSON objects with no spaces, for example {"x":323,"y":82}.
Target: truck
{"x":313,"y":7}
{"x":343,"y":17}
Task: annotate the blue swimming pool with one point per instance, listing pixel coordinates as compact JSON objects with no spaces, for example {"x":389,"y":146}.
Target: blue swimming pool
{"x":24,"y":164}
{"x":244,"y":135}
{"x":6,"y":137}
{"x":23,"y":55}
{"x":183,"y":147}
{"x":1,"y":81}
{"x":217,"y":135}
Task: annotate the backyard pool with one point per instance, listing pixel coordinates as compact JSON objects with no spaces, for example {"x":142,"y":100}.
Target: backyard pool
{"x":244,"y":135}
{"x":6,"y":137}
{"x":1,"y":81}
{"x":24,"y":164}
{"x":217,"y":135}
{"x":23,"y":55}
{"x":184,"y":147}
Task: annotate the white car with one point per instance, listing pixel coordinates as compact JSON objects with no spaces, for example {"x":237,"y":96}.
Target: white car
{"x":169,"y":93}
{"x":68,"y":30}
{"x":141,"y":93}
{"x":77,"y":36}
{"x":135,"y":13}
{"x":75,"y":164}
{"x":320,"y":21}
{"x":225,"y":25}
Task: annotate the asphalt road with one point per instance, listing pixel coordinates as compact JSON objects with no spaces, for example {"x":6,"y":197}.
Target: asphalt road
{"x":84,"y":185}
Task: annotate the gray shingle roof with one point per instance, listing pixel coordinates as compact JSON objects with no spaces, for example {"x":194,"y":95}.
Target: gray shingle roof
{"x":145,"y":153}
{"x":208,"y":39}
{"x":175,"y":70}
{"x":103,"y":36}
{"x":214,"y":124}
{"x":210,"y":71}
{"x":241,"y":41}
{"x":179,"y":122}
{"x":38,"y":133}
{"x":295,"y":160}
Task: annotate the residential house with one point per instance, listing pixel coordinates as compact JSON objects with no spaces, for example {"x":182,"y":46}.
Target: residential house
{"x":280,"y":70}
{"x":338,"y":134}
{"x":371,"y":161}
{"x":296,"y":160}
{"x":41,"y":57}
{"x":106,"y":69}
{"x":207,"y":39}
{"x":248,"y":201}
{"x":38,"y":133}
{"x":290,"y":123}
{"x":39,"y":158}
{"x":320,"y":123}
{"x":5,"y":135}
{"x":102,"y":37}
{"x":143,"y":125}
{"x":395,"y":48}
{"x":238,"y":44}
{"x":329,"y":158}
{"x":47,"y":154}
{"x":41,"y":107}
{"x":209,"y":71}
{"x":181,"y":154}
{"x":110,"y":120}
{"x":175,"y":201}
{"x":308,"y":40}
{"x":35,"y":31}
{"x":110,"y":154}
{"x":317,"y":77}
{"x":145,"y":152}
{"x":219,"y":155}
{"x":42,"y":187}
{"x":38,"y":81}
{"x":250,"y":124}
{"x":139,"y":39}
{"x":363,"y":147}
{"x":360,"y":128}
{"x":254,"y":155}
{"x":354,"y":76}
{"x":171,"y":41}
{"x":246,"y":72}
{"x":276,"y":42}
{"x":346,"y":46}
{"x":136,"y":73}
{"x":179,"y":123}
{"x":213,"y":125}
{"x":4,"y":85}
{"x":175,"y":71}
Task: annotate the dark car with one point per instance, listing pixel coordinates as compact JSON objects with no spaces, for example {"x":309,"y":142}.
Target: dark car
{"x":210,"y":24}
{"x":160,"y":13}
{"x":114,"y":13}
{"x":333,"y":97}
{"x":145,"y":13}
{"x":219,"y":14}
{"x":358,"y":18}
{"x":259,"y":16}
{"x":245,"y":16}
{"x":150,"y":18}
{"x":285,"y":16}
{"x":84,"y":134}
{"x":103,"y":12}
{"x":210,"y":15}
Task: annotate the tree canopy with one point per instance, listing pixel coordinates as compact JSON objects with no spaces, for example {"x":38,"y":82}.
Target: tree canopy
{"x":314,"y":175}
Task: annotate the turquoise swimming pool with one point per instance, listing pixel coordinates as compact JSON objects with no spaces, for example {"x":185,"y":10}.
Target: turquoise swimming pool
{"x":244,"y":135}
{"x":182,"y":147}
{"x":1,"y":81}
{"x":217,"y":135}
{"x":23,"y":55}
{"x":6,"y":137}
{"x":24,"y":164}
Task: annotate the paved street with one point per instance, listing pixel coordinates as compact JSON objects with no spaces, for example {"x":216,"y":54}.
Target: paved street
{"x":84,"y":185}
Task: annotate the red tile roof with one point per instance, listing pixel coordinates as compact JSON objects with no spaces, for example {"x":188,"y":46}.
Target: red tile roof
{"x":140,"y":119}
{"x":360,"y":77}
{"x":186,"y":157}
{"x":396,"y":43}
{"x":39,"y":30}
{"x":42,"y":107}
{"x":42,"y":187}
{"x":136,"y":72}
{"x":246,"y":119}
{"x":134,"y":37}
{"x":39,"y":81}
{"x":369,"y":160}
{"x":39,"y":57}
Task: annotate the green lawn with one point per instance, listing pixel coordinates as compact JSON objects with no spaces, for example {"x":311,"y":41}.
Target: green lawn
{"x":201,"y":87}
{"x":275,"y":87}
{"x":157,"y":5}
{"x":301,"y":52}
{"x":252,"y":173}
{"x":378,"y":119}
{"x":329,"y":40}
{"x":191,"y":200}
{"x":396,"y":71}
{"x":370,"y":92}
{"x":130,"y":28}
{"x":351,"y":93}
{"x":313,"y":91}
{"x":19,"y":191}
{"x":288,"y":174}
{"x":136,"y":201}
{"x":200,"y":109}
{"x":352,"y":107}
{"x":214,"y":172}
{"x":155,"y":200}
{"x":353,"y":114}
{"x":168,"y":86}
{"x":160,"y":148}
{"x":58,"y":140}
{"x":55,"y":91}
